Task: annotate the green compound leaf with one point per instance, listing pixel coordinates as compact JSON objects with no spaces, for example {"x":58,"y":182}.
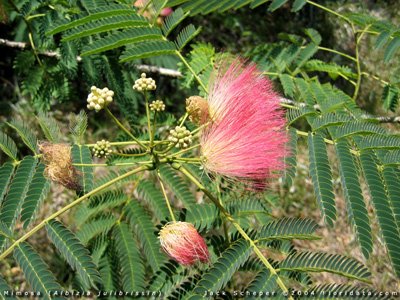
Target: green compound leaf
{"x":325,"y":262}
{"x":321,"y":176}
{"x":77,"y":256}
{"x":97,"y":14}
{"x":119,"y":39}
{"x":288,"y":229}
{"x":3,"y":288}
{"x":357,"y":210}
{"x":26,"y":134}
{"x":132,"y":269}
{"x":148,"y":49}
{"x":222,"y":271}
{"x":36,"y":271}
{"x":383,"y":205}
{"x":177,"y":185}
{"x":6,"y":172}
{"x":81,"y":155}
{"x":37,"y":192}
{"x":18,"y":189}
{"x":145,"y":232}
{"x":7,"y":145}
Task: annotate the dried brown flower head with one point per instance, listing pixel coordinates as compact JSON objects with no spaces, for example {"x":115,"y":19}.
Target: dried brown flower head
{"x":59,"y":168}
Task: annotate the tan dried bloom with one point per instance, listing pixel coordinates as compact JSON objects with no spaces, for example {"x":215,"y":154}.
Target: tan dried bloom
{"x":197,"y":108}
{"x":59,"y":168}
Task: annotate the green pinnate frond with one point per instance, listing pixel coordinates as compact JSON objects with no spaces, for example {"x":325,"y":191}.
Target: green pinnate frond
{"x":112,"y":23}
{"x":26,"y":134}
{"x":325,"y":262}
{"x":78,"y":125}
{"x":298,"y":5}
{"x":321,"y":176}
{"x":390,"y":157}
{"x":123,"y":38}
{"x":290,"y":159}
{"x":96,"y":14}
{"x":148,"y":49}
{"x":202,"y":216}
{"x":391,"y":177}
{"x":288,"y":228}
{"x":276,"y":4}
{"x":18,"y":189}
{"x":49,"y":127}
{"x":177,"y":185}
{"x":383,"y":206}
{"x":186,"y":35}
{"x":8,"y":146}
{"x":35,"y":270}
{"x":81,"y":155}
{"x":378,"y":142}
{"x":391,"y":49}
{"x":37,"y":192}
{"x":222,"y":271}
{"x":390,"y":97}
{"x":246,"y":211}
{"x":5,"y":231}
{"x":263,"y":281}
{"x":5,"y":287}
{"x":304,"y":55}
{"x":334,"y":70}
{"x":6,"y":172}
{"x":145,"y":232}
{"x":356,"y":207}
{"x":132,"y":269}
{"x":94,"y":228}
{"x":154,"y":198}
{"x":356,"y":128}
{"x":294,"y":114}
{"x":287,"y":84}
{"x":74,"y":253}
{"x":325,"y":120}
{"x":173,"y":20}
{"x":100,"y":204}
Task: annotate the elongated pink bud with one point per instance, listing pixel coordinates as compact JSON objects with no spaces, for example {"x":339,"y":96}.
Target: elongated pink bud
{"x":182,"y":242}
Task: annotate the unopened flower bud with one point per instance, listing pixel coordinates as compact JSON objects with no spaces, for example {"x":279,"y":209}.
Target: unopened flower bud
{"x":102,"y":149}
{"x":180,"y":136}
{"x":144,"y":84}
{"x":182,"y":242}
{"x":99,"y":98}
{"x":157,"y":105}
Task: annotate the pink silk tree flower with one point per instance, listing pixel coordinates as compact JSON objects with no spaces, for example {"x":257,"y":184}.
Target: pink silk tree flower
{"x":245,"y":137}
{"x":182,"y":242}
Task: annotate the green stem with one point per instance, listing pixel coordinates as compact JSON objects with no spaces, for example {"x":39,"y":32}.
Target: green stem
{"x":154,"y":129}
{"x":124,"y":128}
{"x":127,"y":143}
{"x":112,"y":165}
{"x":183,"y":119}
{"x":165,"y":196}
{"x":191,"y":71}
{"x":358,"y":65}
{"x":235,"y":224}
{"x":184,"y":151}
{"x":329,"y":11}
{"x":129,"y":155}
{"x":337,"y":52}
{"x":148,"y":118}
{"x":67,"y":207}
{"x":375,"y":77}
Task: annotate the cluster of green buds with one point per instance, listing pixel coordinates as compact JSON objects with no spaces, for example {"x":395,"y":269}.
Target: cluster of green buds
{"x":144,"y":84}
{"x":157,"y":105}
{"x":180,"y":136}
{"x":99,"y":98}
{"x":102,"y":149}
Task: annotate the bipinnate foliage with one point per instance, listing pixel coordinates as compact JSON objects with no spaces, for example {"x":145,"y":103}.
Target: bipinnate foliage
{"x":113,"y":243}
